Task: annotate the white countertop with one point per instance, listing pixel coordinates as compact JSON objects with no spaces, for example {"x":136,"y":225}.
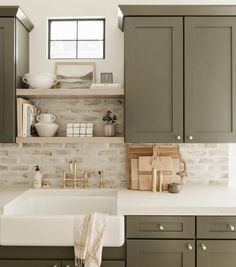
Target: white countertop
{"x":192,"y":200}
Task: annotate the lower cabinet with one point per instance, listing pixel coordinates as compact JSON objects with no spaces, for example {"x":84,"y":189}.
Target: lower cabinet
{"x":18,"y":256}
{"x":42,"y":263}
{"x":104,"y":264}
{"x":29,"y":263}
{"x":153,"y":253}
{"x":216,"y":253}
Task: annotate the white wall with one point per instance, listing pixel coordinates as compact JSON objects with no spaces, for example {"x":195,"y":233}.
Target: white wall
{"x":39,"y":10}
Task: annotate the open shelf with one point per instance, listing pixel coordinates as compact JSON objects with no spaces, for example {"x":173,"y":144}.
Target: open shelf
{"x":95,"y":140}
{"x":105,"y":93}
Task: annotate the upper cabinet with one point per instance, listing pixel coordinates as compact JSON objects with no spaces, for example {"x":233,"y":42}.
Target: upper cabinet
{"x":153,"y":79}
{"x":180,"y":79}
{"x":210,"y":79}
{"x":14,"y":55}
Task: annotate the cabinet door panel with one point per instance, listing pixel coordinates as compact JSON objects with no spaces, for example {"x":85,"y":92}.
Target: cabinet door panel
{"x":149,"y":227}
{"x":210,"y":79}
{"x":216,"y":253}
{"x":153,"y":79}
{"x":152,"y":253}
{"x":22,"y":263}
{"x":216,"y":227}
{"x":7,"y":81}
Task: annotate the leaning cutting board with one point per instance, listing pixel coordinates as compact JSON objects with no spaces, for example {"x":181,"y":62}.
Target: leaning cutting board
{"x":134,"y":174}
{"x":163,"y":164}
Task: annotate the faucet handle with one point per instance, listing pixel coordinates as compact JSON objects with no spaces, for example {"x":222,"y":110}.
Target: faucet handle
{"x":101,"y":181}
{"x":85,"y":179}
{"x":71,"y":165}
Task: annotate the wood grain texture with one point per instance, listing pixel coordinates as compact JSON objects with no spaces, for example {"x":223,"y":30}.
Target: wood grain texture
{"x":111,"y":93}
{"x":134,"y":151}
{"x":45,"y":140}
{"x":134,"y":174}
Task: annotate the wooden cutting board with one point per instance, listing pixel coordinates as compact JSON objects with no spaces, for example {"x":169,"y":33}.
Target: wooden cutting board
{"x":145,"y":166}
{"x":134,"y":174}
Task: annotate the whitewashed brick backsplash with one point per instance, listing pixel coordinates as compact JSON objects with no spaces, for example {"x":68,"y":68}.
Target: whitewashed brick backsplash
{"x":206,"y":163}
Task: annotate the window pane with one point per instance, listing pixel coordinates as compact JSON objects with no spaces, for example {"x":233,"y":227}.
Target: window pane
{"x":60,"y":49}
{"x":63,"y":30}
{"x":90,"y":49}
{"x":90,"y":30}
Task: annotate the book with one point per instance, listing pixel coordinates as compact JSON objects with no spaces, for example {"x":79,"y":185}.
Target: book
{"x":28,"y":118}
{"x":20,"y":102}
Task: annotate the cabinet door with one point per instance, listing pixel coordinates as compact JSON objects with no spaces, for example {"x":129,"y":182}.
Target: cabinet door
{"x":153,"y":79}
{"x":210,"y":79}
{"x":104,"y":264}
{"x":168,"y":253}
{"x":7,"y":81}
{"x":214,"y":253}
{"x":22,"y":263}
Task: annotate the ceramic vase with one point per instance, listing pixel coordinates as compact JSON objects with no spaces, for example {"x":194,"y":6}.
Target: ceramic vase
{"x":109,"y":129}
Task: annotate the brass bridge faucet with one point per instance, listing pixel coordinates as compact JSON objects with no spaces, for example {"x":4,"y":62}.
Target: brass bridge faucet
{"x":74,"y":179}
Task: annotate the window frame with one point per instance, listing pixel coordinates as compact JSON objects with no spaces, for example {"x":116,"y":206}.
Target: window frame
{"x":77,"y":37}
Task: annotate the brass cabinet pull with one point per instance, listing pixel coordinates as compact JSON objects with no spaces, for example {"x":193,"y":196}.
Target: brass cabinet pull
{"x":161,"y":227}
{"x":190,"y":247}
{"x":67,"y":265}
{"x":54,"y":265}
{"x":203,"y":247}
{"x":190,"y":137}
{"x":231,"y":227}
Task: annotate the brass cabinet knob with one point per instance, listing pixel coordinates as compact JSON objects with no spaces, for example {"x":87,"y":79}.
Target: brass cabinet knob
{"x":231,"y":227}
{"x":190,"y":247}
{"x":190,"y":137}
{"x":67,"y":265}
{"x":161,"y":227}
{"x":203,"y":247}
{"x":178,"y":137}
{"x":54,"y":265}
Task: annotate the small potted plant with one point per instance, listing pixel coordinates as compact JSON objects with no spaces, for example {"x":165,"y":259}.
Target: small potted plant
{"x":110,"y":123}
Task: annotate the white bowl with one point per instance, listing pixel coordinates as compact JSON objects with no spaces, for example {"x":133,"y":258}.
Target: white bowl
{"x":40,"y":80}
{"x":46,"y":129}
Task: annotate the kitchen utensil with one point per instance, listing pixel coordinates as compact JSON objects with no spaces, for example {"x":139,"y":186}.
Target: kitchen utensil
{"x":40,"y":80}
{"x":134,"y":151}
{"x":146,"y":164}
{"x":134,"y":174}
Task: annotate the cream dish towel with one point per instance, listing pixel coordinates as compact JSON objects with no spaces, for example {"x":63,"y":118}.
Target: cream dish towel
{"x":88,"y":236}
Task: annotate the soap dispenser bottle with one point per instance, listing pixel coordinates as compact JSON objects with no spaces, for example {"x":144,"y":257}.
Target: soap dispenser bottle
{"x":37,"y":180}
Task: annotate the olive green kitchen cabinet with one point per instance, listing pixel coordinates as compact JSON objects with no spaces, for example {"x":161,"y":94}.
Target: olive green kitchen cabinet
{"x":210,"y":79}
{"x":153,"y":79}
{"x":160,"y":241}
{"x":14,"y":55}
{"x":180,"y":78}
{"x":216,"y":253}
{"x":104,"y":264}
{"x":28,"y":263}
{"x":11,"y":256}
{"x":168,"y":253}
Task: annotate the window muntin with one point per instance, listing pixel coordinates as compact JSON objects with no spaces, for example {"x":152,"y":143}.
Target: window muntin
{"x":76,"y":39}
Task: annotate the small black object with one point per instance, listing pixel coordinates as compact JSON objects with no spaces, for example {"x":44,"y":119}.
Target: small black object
{"x":37,"y":168}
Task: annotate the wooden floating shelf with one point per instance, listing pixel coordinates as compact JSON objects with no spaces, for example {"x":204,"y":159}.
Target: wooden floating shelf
{"x":69,"y":140}
{"x":105,"y":93}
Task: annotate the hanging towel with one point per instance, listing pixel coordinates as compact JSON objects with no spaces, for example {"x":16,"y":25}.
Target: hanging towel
{"x":88,"y":236}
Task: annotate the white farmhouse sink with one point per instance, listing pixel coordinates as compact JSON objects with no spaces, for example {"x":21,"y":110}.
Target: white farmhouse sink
{"x":46,"y":217}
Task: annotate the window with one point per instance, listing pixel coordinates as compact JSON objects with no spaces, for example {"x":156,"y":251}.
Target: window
{"x":76,"y":38}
